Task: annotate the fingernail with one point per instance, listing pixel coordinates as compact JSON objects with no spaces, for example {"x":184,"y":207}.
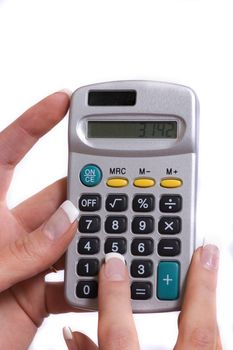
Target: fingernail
{"x":61,"y":220}
{"x":68,"y":92}
{"x":67,"y":333}
{"x":68,"y":336}
{"x":114,"y":268}
{"x":210,"y":256}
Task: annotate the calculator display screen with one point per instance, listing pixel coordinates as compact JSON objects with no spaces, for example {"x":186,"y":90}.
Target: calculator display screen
{"x":131,"y":129}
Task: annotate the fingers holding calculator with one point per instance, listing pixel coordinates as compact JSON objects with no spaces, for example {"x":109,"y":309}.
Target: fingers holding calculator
{"x":198,"y":327}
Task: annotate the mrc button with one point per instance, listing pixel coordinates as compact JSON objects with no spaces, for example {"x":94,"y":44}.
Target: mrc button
{"x":90,"y":175}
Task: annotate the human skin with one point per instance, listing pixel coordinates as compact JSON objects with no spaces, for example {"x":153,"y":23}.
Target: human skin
{"x":31,"y":241}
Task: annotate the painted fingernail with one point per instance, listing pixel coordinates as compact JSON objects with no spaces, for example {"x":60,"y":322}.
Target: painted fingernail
{"x":68,"y":336}
{"x":61,"y":220}
{"x":114,"y":268}
{"x":67,"y":333}
{"x":210,"y":256}
{"x":68,"y":92}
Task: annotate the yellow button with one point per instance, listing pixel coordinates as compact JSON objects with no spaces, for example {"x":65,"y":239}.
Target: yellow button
{"x":144,"y":182}
{"x":117,"y":182}
{"x":171,"y":183}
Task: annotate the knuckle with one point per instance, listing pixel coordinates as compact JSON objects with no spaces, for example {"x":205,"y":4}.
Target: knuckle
{"x":117,"y":337}
{"x":203,"y":338}
{"x":25,"y":249}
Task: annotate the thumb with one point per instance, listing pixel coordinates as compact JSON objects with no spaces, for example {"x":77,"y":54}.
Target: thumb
{"x":36,"y":251}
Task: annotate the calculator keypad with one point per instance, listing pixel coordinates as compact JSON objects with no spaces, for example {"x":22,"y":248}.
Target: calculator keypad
{"x":151,"y":234}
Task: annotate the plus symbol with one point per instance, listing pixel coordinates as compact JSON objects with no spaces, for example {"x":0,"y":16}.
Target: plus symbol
{"x":167,"y":280}
{"x":175,"y":171}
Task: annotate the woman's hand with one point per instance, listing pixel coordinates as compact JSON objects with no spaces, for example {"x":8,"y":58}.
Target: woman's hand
{"x":198,"y":329}
{"x":34,"y":235}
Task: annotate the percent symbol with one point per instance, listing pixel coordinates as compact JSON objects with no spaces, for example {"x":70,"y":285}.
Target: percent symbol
{"x":143,"y":203}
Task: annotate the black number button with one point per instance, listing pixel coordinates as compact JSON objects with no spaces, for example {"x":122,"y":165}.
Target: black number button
{"x":170,"y":225}
{"x":141,"y":290}
{"x":144,"y":203}
{"x":142,"y":247}
{"x":88,"y":267}
{"x":115,"y":224}
{"x":87,"y":289}
{"x":169,"y":247}
{"x":141,"y":268}
{"x":116,"y":202}
{"x":89,"y":224}
{"x":116,"y":245}
{"x":90,"y":202}
{"x":88,"y":245}
{"x":170,"y":204}
{"x":143,"y":224}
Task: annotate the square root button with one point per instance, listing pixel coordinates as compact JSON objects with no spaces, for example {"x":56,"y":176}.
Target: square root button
{"x":168,"y":280}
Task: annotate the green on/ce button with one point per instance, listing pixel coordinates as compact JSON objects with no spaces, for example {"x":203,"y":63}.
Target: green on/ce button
{"x":90,"y":175}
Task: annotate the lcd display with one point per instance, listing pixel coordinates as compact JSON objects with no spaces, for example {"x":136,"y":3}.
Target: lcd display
{"x":131,"y":129}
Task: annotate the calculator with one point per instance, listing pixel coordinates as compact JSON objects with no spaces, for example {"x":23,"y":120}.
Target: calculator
{"x":133,"y":176}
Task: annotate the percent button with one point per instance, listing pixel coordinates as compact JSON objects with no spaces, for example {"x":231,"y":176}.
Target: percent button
{"x":143,"y":203}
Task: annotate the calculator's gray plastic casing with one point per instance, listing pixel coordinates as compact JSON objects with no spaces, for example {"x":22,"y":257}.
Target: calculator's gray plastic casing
{"x":155,"y":100}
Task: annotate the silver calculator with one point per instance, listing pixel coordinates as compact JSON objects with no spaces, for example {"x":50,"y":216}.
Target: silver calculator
{"x":133,"y":176}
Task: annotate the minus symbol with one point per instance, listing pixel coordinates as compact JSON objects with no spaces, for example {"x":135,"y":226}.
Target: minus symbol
{"x":168,"y":248}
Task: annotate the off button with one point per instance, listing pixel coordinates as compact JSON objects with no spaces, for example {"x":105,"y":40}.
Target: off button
{"x":90,"y":175}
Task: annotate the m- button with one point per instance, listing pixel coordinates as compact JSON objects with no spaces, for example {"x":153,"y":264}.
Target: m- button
{"x":90,"y":202}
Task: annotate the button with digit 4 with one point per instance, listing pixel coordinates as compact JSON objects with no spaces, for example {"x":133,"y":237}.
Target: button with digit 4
{"x":89,"y":245}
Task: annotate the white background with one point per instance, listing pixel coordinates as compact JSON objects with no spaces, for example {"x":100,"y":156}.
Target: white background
{"x":48,"y":45}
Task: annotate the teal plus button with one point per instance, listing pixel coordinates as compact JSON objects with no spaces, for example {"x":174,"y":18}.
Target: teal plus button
{"x":90,"y":175}
{"x":168,"y":280}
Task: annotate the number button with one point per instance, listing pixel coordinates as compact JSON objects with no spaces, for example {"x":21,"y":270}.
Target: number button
{"x":89,"y":224}
{"x":88,"y":267}
{"x":88,"y":246}
{"x":170,"y":225}
{"x":143,"y":224}
{"x":169,"y":247}
{"x":143,"y":203}
{"x":116,"y":224}
{"x":141,"y":268}
{"x":87,"y":289}
{"x":142,"y":247}
{"x":170,"y":204}
{"x":141,"y":290}
{"x":116,"y":245}
{"x":116,"y":202}
{"x":90,"y":202}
